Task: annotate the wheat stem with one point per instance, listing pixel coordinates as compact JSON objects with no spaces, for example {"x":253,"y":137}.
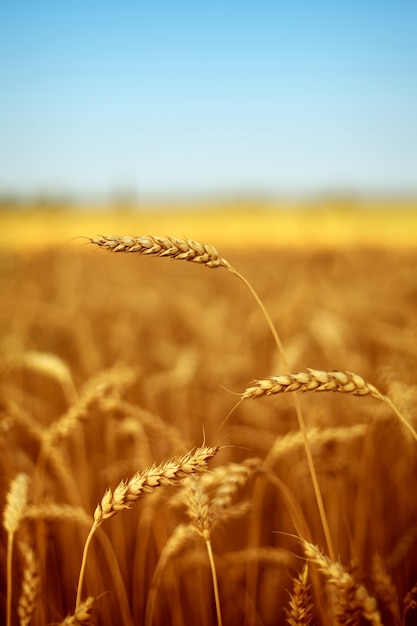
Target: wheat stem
{"x":10,"y":537}
{"x":215,"y":583}
{"x":300,"y":417}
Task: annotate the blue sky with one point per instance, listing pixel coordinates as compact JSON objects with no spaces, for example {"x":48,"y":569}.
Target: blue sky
{"x":182,"y":98}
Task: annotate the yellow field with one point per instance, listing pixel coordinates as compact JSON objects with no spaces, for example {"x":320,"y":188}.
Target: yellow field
{"x":113,"y":364}
{"x":320,"y":223}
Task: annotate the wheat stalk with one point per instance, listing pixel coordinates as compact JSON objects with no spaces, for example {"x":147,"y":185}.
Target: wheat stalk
{"x":180,"y":537}
{"x":146,"y":482}
{"x":49,"y":365}
{"x":204,"y":509}
{"x":385,"y":589}
{"x":50,"y":511}
{"x":13,"y":513}
{"x":198,"y":510}
{"x":189,"y":250}
{"x":318,"y":380}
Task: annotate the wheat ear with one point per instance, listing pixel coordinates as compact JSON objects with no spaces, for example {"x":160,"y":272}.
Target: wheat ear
{"x":16,"y":500}
{"x":189,"y":250}
{"x":300,"y":610}
{"x":318,"y":380}
{"x":30,"y":585}
{"x":82,"y":614}
{"x":410,"y":602}
{"x":129,"y":491}
{"x":353,"y":598}
{"x":180,"y":249}
{"x":208,"y":500}
{"x":385,"y":589}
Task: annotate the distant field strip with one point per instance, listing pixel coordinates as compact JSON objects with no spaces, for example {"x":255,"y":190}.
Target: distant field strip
{"x":303,"y":226}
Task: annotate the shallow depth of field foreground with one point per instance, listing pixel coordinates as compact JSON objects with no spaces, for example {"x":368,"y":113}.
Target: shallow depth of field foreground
{"x":244,"y":500}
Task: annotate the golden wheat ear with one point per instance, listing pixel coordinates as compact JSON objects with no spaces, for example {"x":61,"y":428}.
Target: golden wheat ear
{"x":140,"y":484}
{"x":13,"y":514}
{"x":300,"y":610}
{"x":170,"y":247}
{"x":352,"y":599}
{"x":30,"y":585}
{"x":82,"y":614}
{"x":318,"y":380}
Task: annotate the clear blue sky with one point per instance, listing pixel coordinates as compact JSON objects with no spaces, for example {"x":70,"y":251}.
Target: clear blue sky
{"x":176,"y":97}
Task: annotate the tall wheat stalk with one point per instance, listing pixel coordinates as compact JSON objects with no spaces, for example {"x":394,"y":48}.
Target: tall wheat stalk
{"x":145,"y":482}
{"x":13,"y":514}
{"x":189,"y":250}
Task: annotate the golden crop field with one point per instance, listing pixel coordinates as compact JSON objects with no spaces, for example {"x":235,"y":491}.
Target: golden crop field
{"x":214,"y":436}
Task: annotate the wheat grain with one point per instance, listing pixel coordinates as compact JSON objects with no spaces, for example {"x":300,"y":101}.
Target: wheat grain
{"x":140,"y":484}
{"x":16,"y":501}
{"x":30,"y":585}
{"x":180,"y":249}
{"x":231,"y":478}
{"x":292,"y":441}
{"x":49,"y":365}
{"x":82,"y":614}
{"x":300,"y":610}
{"x":312,"y":380}
{"x":49,"y":511}
{"x":150,"y":479}
{"x":352,"y":597}
{"x":384,"y":588}
{"x":208,"y":499}
{"x":319,"y":380}
{"x":198,"y":506}
{"x":264,"y":554}
{"x":203,"y":513}
{"x":410,"y":602}
{"x":187,"y":249}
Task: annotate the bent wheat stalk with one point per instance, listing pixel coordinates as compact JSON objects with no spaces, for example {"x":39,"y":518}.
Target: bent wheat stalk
{"x":129,"y":491}
{"x":318,"y":380}
{"x":189,"y":250}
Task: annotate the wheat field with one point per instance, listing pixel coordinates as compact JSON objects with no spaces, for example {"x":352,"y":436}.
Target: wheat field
{"x":167,"y":459}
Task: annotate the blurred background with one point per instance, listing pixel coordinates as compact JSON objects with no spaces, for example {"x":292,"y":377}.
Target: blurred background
{"x":164,"y":114}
